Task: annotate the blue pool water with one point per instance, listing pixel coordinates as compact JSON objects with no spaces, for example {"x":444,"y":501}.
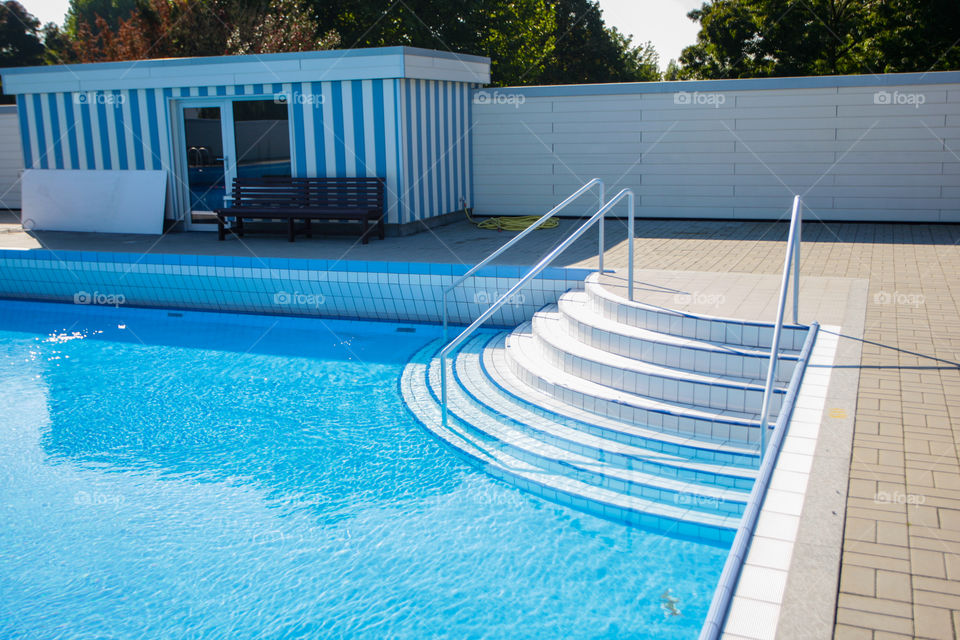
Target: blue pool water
{"x":205,"y":476}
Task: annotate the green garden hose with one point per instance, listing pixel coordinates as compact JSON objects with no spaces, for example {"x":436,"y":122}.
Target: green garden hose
{"x":511,"y":223}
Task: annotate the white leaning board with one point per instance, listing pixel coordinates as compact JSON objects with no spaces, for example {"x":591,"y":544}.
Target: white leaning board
{"x":100,"y":201}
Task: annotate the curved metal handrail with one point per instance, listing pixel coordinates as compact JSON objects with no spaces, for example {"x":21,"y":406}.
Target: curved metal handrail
{"x":532,"y":273}
{"x":573,"y":196}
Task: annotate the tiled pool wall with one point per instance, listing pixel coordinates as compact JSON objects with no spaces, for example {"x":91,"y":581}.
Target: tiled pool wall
{"x":391,"y":291}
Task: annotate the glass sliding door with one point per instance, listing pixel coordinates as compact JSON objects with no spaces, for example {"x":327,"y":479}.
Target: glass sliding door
{"x":224,"y":138}
{"x":206,"y":160}
{"x":261,"y":133}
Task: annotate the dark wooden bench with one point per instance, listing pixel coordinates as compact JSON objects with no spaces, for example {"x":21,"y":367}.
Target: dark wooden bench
{"x":306,"y":200}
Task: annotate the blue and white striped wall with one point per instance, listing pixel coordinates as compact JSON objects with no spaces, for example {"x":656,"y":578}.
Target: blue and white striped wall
{"x":437,"y":157}
{"x":400,"y":113}
{"x":415,"y":133}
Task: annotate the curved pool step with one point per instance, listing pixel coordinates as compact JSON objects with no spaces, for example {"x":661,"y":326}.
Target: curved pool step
{"x":617,"y":468}
{"x":669,"y":417}
{"x":639,"y":377}
{"x":421,"y":401}
{"x":700,"y":514}
{"x":496,"y":367}
{"x":655,"y":466}
{"x":689,"y":325}
{"x":585,"y":324}
{"x":621,"y":409}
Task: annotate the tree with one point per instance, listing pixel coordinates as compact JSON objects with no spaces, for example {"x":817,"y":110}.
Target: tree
{"x":673,"y":71}
{"x":587,"y":51}
{"x":528,"y":41}
{"x":183,"y":28}
{"x":914,"y":35}
{"x":640,"y":63}
{"x":20,"y":43}
{"x":517,"y":35}
{"x":87,"y":12}
{"x":757,"y":38}
{"x":286,"y":25}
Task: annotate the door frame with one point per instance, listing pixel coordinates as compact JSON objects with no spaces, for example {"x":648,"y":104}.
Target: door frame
{"x":177,"y":104}
{"x":227,"y":141}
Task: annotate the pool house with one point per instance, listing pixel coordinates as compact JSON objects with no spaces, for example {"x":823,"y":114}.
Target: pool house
{"x":163,"y":139}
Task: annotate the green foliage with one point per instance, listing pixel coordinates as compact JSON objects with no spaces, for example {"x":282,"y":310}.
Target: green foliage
{"x":87,"y":11}
{"x":914,"y":35}
{"x":640,"y":63}
{"x":528,"y":41}
{"x":286,"y":25}
{"x":20,"y":43}
{"x":759,"y":38}
{"x":673,"y":71}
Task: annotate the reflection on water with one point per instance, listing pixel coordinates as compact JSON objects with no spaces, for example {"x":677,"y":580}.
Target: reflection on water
{"x":186,"y":479}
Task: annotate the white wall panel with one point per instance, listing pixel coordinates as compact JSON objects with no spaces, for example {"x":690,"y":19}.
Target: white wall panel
{"x":868,"y":148}
{"x":11,"y":158}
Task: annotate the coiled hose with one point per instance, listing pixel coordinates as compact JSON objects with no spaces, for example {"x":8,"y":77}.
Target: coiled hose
{"x":511,"y":223}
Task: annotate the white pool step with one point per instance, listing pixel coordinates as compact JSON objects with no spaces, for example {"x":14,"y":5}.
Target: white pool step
{"x":679,"y":418}
{"x":617,"y":467}
{"x":643,"y":378}
{"x":621,"y":409}
{"x":497,"y":368}
{"x":561,"y":488}
{"x":488,"y":397}
{"x":582,"y":322}
{"x":689,"y":325}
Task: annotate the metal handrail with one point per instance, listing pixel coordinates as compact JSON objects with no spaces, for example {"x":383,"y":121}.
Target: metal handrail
{"x":792,"y":257}
{"x":573,"y":196}
{"x":534,"y":271}
{"x":723,"y":594}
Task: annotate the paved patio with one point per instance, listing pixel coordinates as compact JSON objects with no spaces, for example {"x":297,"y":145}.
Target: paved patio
{"x":900,"y":562}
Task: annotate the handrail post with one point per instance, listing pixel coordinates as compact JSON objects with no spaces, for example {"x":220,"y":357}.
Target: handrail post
{"x":443,"y":302}
{"x":443,"y":389}
{"x":630,"y":235}
{"x":600,"y":248}
{"x":602,"y":243}
{"x":798,"y":208}
{"x":778,"y":327}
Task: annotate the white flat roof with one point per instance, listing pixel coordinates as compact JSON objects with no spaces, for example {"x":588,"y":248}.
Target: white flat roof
{"x":307,"y":66}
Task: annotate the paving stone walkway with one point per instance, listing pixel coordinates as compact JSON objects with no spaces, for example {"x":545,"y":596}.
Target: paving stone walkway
{"x":900,"y":570}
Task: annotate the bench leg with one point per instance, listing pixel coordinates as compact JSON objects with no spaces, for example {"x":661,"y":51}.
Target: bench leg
{"x":220,"y":230}
{"x":309,"y":228}
{"x":381,"y":226}
{"x":365,"y":235}
{"x":290,"y":229}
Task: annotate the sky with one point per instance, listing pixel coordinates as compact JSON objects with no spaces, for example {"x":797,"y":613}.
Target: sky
{"x":663,"y":22}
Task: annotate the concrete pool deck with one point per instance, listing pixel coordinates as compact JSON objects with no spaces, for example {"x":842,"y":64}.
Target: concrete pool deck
{"x":900,"y":509}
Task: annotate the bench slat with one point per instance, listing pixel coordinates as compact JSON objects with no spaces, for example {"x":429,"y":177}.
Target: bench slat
{"x":290,"y":199}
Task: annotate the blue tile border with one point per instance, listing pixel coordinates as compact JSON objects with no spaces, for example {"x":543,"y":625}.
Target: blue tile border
{"x":391,"y":291}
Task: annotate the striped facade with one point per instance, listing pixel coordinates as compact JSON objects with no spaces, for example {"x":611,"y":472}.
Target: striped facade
{"x":414,"y":132}
{"x":437,"y":159}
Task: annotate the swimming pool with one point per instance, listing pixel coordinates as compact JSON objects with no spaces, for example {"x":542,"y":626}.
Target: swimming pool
{"x":172,"y":474}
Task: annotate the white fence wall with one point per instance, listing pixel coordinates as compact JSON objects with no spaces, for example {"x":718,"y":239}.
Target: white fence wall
{"x":878,"y":148}
{"x":11,"y":158}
